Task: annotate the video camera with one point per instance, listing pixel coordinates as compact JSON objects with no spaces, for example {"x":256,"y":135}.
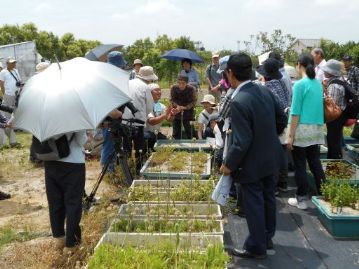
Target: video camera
{"x":7,"y":109}
{"x":20,"y":84}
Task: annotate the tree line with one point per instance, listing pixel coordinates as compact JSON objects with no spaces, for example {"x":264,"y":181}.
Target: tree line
{"x":149,"y":51}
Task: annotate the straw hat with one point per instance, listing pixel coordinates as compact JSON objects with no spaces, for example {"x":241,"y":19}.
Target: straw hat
{"x":147,"y":73}
{"x":208,"y":98}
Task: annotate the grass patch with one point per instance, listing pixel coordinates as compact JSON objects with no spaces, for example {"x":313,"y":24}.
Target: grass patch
{"x":9,"y":235}
{"x":14,"y":162}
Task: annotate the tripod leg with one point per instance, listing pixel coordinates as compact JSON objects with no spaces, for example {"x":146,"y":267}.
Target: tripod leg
{"x":126,"y":170}
{"x":90,"y":197}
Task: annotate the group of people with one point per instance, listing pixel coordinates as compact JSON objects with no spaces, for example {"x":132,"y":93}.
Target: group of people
{"x":259,"y":125}
{"x":256,"y":121}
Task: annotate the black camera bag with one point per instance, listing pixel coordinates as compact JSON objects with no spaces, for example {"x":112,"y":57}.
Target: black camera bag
{"x":52,"y":149}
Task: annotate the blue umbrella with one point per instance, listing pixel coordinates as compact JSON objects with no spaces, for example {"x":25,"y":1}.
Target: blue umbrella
{"x":180,"y":54}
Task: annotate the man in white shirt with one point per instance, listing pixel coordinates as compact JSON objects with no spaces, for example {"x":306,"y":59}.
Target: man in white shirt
{"x":142,"y":100}
{"x":155,"y":118}
{"x":318,"y":56}
{"x":10,"y":83}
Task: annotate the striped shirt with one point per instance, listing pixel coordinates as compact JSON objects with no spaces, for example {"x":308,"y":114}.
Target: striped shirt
{"x":337,"y":92}
{"x":353,"y":78}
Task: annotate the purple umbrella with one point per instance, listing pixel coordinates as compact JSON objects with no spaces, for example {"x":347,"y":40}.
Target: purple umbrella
{"x":180,"y":54}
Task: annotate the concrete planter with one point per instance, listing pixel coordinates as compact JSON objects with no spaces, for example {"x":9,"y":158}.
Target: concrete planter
{"x":194,"y":211}
{"x":165,"y":184}
{"x":147,"y":173}
{"x":198,"y":240}
{"x":185,"y":144}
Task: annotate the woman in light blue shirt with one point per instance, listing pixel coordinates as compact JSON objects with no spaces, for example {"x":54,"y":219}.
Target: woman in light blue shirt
{"x":193,"y":78}
{"x":306,"y":131}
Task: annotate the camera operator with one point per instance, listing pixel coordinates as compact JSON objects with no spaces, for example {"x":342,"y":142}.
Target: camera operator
{"x":10,"y":84}
{"x":142,"y":99}
{"x":115,"y":58}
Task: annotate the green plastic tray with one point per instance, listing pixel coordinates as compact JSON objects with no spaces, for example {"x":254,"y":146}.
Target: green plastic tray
{"x":340,"y":226}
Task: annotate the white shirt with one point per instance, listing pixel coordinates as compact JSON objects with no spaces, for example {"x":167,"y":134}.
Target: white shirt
{"x":218,"y":137}
{"x":142,"y":99}
{"x":10,"y":81}
{"x":153,"y":114}
{"x":319,"y":73}
{"x":76,"y":148}
{"x":202,"y":117}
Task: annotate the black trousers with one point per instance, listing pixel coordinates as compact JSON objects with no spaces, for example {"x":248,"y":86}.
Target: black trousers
{"x":189,"y":130}
{"x":335,"y":138}
{"x":300,"y":156}
{"x":65,"y":183}
{"x":138,"y":141}
{"x":260,"y":209}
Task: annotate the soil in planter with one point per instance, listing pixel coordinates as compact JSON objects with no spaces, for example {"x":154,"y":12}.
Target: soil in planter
{"x":339,"y":170}
{"x":165,"y":226}
{"x":343,"y":211}
{"x":180,"y":161}
{"x":165,"y":256}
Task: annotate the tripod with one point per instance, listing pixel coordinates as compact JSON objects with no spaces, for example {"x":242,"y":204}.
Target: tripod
{"x":121,"y":156}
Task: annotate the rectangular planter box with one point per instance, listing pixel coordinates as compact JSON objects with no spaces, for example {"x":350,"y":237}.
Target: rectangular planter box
{"x":197,"y":240}
{"x":185,"y":144}
{"x":198,"y":211}
{"x":340,"y":226}
{"x":168,"y":174}
{"x":163,"y":197}
{"x":353,"y":152}
{"x":350,"y":140}
{"x":354,"y":180}
{"x":193,"y":241}
{"x":163,"y":184}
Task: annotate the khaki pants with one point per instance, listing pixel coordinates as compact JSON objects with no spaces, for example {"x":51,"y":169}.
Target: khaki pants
{"x":9,"y":132}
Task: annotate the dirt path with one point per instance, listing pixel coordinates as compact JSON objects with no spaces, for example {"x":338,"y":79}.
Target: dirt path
{"x":25,"y":216}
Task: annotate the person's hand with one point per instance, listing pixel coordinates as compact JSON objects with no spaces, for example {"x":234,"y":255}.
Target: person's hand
{"x":8,"y":125}
{"x":174,"y":111}
{"x":290,"y":143}
{"x":225,"y":170}
{"x":215,"y":88}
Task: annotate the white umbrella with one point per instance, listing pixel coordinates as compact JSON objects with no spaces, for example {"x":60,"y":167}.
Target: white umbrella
{"x":76,"y":97}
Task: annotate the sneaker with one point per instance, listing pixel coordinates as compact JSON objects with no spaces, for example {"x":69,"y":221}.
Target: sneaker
{"x":282,"y":186}
{"x":301,"y":204}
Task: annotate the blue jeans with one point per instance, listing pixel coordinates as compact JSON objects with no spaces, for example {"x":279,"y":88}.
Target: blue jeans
{"x":107,"y":149}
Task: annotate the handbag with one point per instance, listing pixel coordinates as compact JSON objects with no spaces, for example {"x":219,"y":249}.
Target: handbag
{"x":331,"y":110}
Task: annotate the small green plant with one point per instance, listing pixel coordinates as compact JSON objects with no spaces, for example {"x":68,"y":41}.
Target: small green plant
{"x":338,"y":170}
{"x":340,"y":194}
{"x":164,"y":256}
{"x":161,"y":155}
{"x":165,"y":226}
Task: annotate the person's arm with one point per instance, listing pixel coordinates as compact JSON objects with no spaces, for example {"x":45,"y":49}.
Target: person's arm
{"x":152,"y":120}
{"x":295,"y":112}
{"x":200,"y":130}
{"x":292,"y":128}
{"x":208,"y":75}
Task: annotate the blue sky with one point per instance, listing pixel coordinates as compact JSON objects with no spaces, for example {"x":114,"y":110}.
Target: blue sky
{"x":217,"y":23}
